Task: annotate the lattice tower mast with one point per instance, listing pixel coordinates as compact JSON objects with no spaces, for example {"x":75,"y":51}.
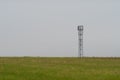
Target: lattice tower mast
{"x":80,"y":38}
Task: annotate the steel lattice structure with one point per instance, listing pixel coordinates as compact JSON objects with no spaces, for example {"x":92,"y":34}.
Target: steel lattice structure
{"x":80,"y":38}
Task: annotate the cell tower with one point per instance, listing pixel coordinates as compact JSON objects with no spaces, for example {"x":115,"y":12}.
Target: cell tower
{"x":80,"y":38}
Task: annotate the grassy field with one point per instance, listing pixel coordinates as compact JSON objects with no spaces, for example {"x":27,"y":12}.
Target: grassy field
{"x":28,"y":68}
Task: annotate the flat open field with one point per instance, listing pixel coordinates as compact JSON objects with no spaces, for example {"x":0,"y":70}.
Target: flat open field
{"x":30,"y":68}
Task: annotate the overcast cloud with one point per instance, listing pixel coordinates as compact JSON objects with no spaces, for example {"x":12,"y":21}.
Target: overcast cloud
{"x":49,"y":27}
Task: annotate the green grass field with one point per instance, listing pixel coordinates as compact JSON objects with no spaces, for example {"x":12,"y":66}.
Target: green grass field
{"x":30,"y":68}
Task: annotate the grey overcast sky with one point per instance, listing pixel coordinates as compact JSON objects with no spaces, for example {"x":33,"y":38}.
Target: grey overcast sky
{"x":49,"y":27}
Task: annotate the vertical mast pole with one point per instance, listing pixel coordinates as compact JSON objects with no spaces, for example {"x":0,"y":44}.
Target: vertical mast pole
{"x":80,"y":38}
